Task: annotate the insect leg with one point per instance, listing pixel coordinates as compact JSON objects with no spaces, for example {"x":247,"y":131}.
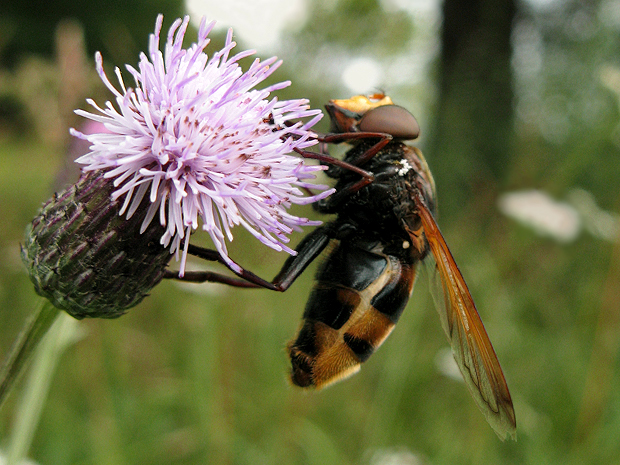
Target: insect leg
{"x":329,"y":160}
{"x":366,"y":176}
{"x":210,"y":277}
{"x":307,"y":250}
{"x":337,"y":197}
{"x":366,"y":156}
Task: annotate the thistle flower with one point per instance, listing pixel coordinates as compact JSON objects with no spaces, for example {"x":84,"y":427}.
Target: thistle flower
{"x":197,"y":140}
{"x":193,"y":141}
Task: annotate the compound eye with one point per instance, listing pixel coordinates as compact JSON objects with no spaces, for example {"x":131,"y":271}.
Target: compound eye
{"x":390,"y":119}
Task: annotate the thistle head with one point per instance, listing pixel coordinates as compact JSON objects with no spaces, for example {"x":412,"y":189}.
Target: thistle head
{"x":206,"y":147}
{"x":192,"y":144}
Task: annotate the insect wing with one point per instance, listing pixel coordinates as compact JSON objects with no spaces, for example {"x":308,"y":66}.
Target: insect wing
{"x":470,"y":343}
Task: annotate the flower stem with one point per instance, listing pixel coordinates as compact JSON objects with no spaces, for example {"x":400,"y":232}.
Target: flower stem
{"x":28,"y":340}
{"x":61,"y":334}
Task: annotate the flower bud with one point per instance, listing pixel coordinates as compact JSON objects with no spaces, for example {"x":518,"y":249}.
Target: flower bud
{"x":86,"y":258}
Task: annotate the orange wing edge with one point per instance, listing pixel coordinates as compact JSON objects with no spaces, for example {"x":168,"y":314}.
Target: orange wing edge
{"x":470,"y":343}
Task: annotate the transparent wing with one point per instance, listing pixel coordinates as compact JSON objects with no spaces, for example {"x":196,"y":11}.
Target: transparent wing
{"x":471,"y":346}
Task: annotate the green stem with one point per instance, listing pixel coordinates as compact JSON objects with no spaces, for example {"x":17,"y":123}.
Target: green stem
{"x":28,"y":340}
{"x":33,"y":395}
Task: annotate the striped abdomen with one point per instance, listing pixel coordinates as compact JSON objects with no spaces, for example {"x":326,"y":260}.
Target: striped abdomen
{"x":359,"y":295}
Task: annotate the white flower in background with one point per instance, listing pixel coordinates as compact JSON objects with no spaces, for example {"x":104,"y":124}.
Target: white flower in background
{"x":545,"y":215}
{"x":562,"y":221}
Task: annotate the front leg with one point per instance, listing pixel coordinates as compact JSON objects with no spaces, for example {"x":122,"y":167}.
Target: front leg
{"x":335,"y":200}
{"x":366,"y":156}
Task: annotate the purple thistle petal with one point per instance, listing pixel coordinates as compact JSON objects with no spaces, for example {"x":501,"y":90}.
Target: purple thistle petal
{"x":194,"y":138}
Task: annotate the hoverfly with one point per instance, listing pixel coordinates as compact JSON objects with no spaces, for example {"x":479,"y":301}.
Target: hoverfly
{"x":384,"y":227}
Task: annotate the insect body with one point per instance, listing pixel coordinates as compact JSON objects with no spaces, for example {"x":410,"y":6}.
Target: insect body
{"x":384,"y":228}
{"x":366,"y":281}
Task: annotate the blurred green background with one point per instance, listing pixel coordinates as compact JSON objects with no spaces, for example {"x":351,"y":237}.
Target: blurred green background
{"x":511,"y":97}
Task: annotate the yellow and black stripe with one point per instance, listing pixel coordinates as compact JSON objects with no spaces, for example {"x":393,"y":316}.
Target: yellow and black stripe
{"x":359,"y":296}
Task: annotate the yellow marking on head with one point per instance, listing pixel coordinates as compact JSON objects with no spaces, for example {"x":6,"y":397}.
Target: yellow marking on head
{"x":361,"y":103}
